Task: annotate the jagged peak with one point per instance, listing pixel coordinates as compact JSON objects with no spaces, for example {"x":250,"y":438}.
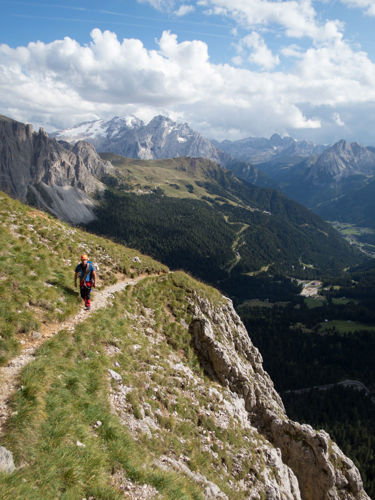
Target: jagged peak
{"x":276,"y":139}
{"x":160,"y":120}
{"x":343,"y":144}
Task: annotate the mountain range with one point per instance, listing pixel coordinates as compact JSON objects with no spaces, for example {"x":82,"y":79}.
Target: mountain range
{"x":333,"y":181}
{"x":165,"y":138}
{"x":338,"y":184}
{"x":190,"y":213}
{"x":193,"y":214}
{"x":131,"y":137}
{"x":277,"y":149}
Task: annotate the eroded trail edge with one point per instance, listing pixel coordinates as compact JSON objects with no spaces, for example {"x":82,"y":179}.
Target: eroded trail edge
{"x":9,"y":373}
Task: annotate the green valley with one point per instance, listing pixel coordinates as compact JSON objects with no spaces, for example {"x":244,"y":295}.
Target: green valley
{"x":192,"y":214}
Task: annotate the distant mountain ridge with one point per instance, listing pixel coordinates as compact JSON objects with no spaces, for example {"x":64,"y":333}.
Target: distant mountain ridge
{"x":338,"y":184}
{"x":339,"y":170}
{"x":164,"y":138}
{"x":258,"y":150}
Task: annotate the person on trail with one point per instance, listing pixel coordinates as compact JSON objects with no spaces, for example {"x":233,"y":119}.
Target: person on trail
{"x":87,"y":279}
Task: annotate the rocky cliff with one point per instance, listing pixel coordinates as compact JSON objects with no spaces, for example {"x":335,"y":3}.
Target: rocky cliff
{"x":56,"y":177}
{"x":311,"y":466}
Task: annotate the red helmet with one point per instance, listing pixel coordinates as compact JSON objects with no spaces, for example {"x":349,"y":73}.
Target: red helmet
{"x":84,"y":257}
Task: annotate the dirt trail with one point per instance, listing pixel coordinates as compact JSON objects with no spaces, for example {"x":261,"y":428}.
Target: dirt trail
{"x":9,"y":373}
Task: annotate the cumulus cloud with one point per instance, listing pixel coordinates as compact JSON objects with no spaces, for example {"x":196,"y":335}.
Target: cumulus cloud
{"x":292,"y":50}
{"x":259,"y":54}
{"x":63,"y":82}
{"x":297,"y":17}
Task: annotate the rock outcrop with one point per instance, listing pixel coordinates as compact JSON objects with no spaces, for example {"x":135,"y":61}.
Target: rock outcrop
{"x":6,"y":460}
{"x":223,"y":345}
{"x":56,"y":177}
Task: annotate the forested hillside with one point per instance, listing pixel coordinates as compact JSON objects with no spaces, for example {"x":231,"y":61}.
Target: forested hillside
{"x":192,"y":214}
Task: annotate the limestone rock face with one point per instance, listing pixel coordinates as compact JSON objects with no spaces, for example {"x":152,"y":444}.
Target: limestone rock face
{"x":310,"y":457}
{"x":53,"y":176}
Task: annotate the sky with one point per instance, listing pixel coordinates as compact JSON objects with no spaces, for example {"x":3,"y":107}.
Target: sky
{"x":229,"y":68}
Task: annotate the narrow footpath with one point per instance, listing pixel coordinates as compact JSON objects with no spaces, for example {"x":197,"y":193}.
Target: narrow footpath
{"x":9,"y":373}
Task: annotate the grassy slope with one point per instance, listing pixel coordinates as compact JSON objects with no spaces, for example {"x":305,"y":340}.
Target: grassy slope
{"x":37,"y":261}
{"x":176,"y":177}
{"x":64,"y":392}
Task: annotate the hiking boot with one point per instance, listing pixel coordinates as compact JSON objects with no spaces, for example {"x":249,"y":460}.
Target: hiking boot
{"x":87,"y":308}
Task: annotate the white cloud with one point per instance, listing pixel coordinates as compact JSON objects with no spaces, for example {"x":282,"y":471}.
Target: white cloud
{"x":297,"y":17}
{"x":292,"y":50}
{"x":337,"y":119}
{"x":159,"y":4}
{"x":367,"y":5}
{"x":184,"y":9}
{"x":237,"y":60}
{"x":259,"y":54}
{"x":61,"y":83}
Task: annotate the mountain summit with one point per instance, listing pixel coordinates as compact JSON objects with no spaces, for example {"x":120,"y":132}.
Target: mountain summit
{"x":131,"y":137}
{"x":343,"y":159}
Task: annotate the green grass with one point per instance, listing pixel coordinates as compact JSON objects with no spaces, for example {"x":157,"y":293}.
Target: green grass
{"x":343,"y":300}
{"x":176,"y":177}
{"x":37,"y":263}
{"x":346,"y":326}
{"x":263,"y":269}
{"x":65,"y":391}
{"x":347,"y":229}
{"x":313,"y":302}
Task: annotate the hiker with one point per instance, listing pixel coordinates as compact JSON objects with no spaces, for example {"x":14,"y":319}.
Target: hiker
{"x":87,"y":279}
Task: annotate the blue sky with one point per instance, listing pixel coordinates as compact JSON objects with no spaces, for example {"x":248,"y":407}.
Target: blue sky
{"x":230,"y":68}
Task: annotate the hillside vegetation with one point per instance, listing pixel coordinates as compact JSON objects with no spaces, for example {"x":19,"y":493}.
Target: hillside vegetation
{"x":37,"y":262}
{"x":162,"y":409}
{"x":121,"y":406}
{"x":192,"y":214}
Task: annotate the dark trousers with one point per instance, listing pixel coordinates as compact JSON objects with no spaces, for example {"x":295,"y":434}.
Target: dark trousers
{"x":85,"y":288}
